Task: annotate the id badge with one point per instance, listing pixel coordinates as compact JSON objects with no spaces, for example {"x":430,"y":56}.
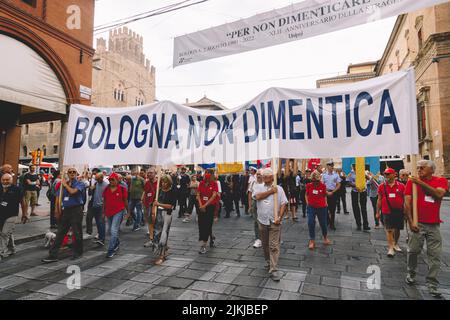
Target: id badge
{"x":66,"y":198}
{"x":205,"y":198}
{"x":391,"y":195}
{"x":315,"y":192}
{"x":178,"y":186}
{"x":149,"y":195}
{"x":429,"y":199}
{"x":4,"y":204}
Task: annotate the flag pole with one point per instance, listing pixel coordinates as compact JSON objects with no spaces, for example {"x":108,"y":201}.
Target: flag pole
{"x":275,"y":180}
{"x":414,"y":189}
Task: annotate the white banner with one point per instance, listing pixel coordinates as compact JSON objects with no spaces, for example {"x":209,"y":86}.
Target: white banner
{"x":369,"y":118}
{"x":295,"y":22}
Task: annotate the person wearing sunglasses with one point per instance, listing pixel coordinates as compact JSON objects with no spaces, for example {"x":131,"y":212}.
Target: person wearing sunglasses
{"x":71,"y":207}
{"x":430,"y":192}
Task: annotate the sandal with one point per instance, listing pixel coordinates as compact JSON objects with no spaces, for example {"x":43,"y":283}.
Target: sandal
{"x":160,"y":261}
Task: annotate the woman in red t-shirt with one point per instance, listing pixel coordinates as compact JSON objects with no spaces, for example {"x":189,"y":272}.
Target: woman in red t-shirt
{"x":115,"y":208}
{"x":148,"y":197}
{"x":207,"y":199}
{"x":316,"y":200}
{"x":391,"y":195}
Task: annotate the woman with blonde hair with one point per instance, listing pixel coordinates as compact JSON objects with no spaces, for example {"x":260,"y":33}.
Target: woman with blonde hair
{"x":163,"y":206}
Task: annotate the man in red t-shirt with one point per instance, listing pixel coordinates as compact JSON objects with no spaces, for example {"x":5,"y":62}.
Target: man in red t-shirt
{"x":430,"y":191}
{"x":316,"y":199}
{"x":390,"y":201}
{"x":148,"y":197}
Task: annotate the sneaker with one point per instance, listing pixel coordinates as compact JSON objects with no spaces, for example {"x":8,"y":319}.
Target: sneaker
{"x":346,"y":213}
{"x":11,"y":252}
{"x":366,"y":229}
{"x":391,"y":253}
{"x":136,"y":229}
{"x":96,"y":236}
{"x":202,"y":250}
{"x":434,"y":292}
{"x":116,"y":248}
{"x":186,"y":220}
{"x":276,"y":276}
{"x":110,"y":255}
{"x":49,"y":260}
{"x":410,"y":279}
{"x":397,"y":248}
{"x":148,"y":244}
{"x":100,"y":243}
{"x":257,"y":244}
{"x":211,"y":244}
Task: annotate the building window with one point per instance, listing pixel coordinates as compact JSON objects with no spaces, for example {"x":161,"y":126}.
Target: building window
{"x":422,"y":121}
{"x":420,"y":38}
{"x":31,"y":3}
{"x":27,"y":129}
{"x":25,"y":151}
{"x":44,"y":150}
{"x":51,"y":127}
{"x":55,"y":149}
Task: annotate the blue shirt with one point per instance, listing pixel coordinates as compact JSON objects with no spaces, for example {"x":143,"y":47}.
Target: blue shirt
{"x":331,"y":180}
{"x":351,"y":178}
{"x":97,"y":199}
{"x":76,"y":199}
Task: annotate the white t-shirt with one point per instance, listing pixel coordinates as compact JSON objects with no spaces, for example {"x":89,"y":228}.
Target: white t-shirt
{"x":251,"y":181}
{"x":265,"y":207}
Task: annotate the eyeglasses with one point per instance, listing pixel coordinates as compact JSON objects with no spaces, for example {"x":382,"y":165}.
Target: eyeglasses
{"x":70,"y":172}
{"x":421,"y":168}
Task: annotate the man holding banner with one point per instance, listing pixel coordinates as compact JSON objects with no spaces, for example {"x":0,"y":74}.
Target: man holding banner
{"x":333,"y":183}
{"x":269,"y":219}
{"x":430,"y":192}
{"x":359,"y":202}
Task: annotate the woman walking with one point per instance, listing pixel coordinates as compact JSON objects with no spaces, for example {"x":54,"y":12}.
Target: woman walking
{"x":164,"y":207}
{"x":207,"y":198}
{"x":391,"y":195}
{"x":193,"y":186}
{"x":316,"y":199}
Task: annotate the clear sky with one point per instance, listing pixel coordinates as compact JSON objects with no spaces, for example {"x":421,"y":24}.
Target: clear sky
{"x":236,"y":79}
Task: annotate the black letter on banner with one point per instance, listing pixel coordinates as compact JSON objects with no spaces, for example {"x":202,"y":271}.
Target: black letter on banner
{"x":295,"y":118}
{"x":140,"y":144}
{"x":109,"y":146}
{"x":208,"y":120}
{"x":193,"y":129}
{"x":93,"y":145}
{"x":334,"y":101}
{"x":386,"y":99}
{"x":122,"y":122}
{"x":173,"y":127}
{"x":159,"y":133}
{"x":348,"y":115}
{"x":255,"y":136}
{"x":227,"y":128}
{"x":276,"y":123}
{"x":78,"y":131}
{"x":311,"y":115}
{"x":362,"y":96}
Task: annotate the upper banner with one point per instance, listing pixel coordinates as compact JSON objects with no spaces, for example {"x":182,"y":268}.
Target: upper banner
{"x":295,"y":22}
{"x":368,"y":118}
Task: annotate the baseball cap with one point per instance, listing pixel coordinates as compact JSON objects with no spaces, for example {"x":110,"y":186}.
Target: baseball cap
{"x":114,"y":176}
{"x":389,"y":171}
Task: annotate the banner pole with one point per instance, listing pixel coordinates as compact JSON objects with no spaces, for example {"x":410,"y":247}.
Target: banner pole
{"x":154,"y":208}
{"x":414,"y":190}
{"x":275,"y":180}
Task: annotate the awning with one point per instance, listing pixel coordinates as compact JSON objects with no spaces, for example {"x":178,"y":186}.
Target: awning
{"x":27,"y":79}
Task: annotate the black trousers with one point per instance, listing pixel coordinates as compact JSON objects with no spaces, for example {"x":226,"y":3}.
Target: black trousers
{"x":228,"y":204}
{"x":192,"y":204}
{"x":71,"y":218}
{"x":359,"y":206}
{"x":205,"y":223}
{"x":303,"y":198}
{"x":182,"y":199}
{"x":374,"y":201}
{"x":341,"y":196}
{"x":331,"y":209}
{"x":236,"y":205}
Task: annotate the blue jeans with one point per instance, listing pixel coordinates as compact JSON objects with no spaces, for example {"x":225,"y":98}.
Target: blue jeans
{"x":321,"y":214}
{"x":114,"y":224}
{"x":138,"y":214}
{"x":97,"y":212}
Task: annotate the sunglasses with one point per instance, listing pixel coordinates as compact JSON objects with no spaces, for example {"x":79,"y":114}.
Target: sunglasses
{"x":70,"y":172}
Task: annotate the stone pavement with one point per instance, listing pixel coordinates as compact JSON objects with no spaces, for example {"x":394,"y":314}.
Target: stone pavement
{"x":233,"y":270}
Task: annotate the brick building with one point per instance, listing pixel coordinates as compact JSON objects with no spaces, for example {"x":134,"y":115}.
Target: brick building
{"x":421,"y":39}
{"x":122,"y":76}
{"x":47,"y":55}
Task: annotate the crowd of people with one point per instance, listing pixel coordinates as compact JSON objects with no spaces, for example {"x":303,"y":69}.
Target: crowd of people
{"x":139,"y":200}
